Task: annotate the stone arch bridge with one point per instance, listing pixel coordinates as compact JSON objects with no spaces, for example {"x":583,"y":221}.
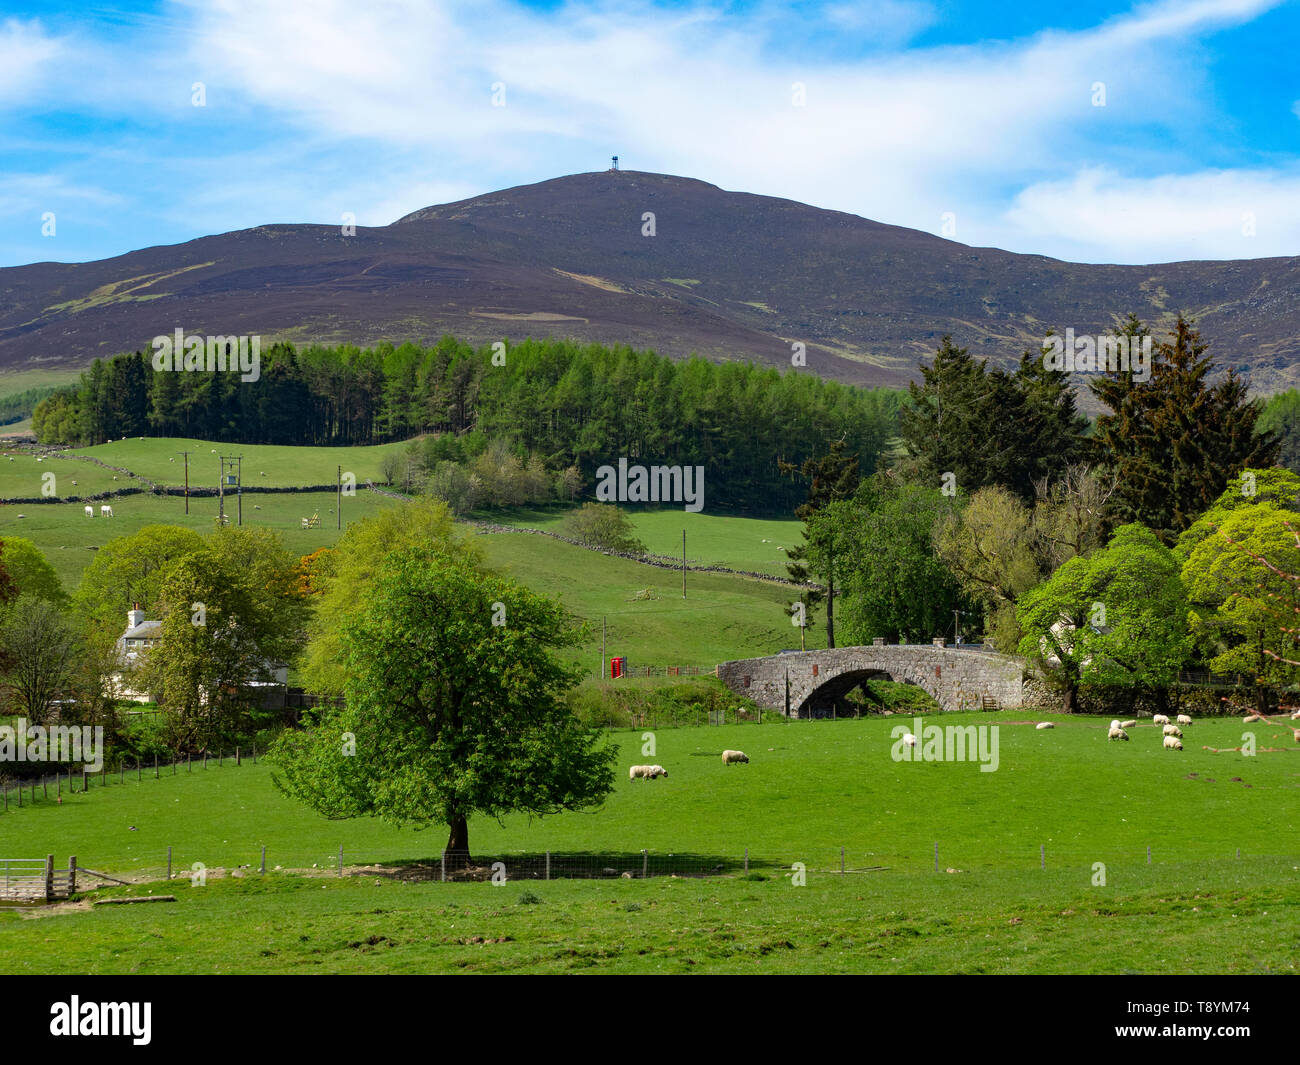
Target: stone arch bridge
{"x":810,"y":683}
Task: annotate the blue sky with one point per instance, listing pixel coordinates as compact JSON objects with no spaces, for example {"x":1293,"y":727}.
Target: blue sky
{"x":910,"y":112}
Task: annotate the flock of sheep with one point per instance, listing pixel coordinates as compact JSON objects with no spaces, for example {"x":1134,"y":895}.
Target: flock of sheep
{"x":649,"y":772}
{"x":1173,"y":735}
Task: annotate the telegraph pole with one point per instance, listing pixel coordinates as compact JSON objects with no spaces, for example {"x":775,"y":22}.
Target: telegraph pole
{"x":240,"y":487}
{"x":602,"y":648}
{"x":339,"y":508}
{"x":683,"y":563}
{"x":187,"y":481}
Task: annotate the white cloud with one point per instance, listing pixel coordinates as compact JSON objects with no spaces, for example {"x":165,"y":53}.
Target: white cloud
{"x":27,"y":58}
{"x":398,"y":95}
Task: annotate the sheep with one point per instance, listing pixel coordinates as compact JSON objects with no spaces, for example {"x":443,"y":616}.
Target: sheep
{"x":1250,"y":719}
{"x":909,"y":739}
{"x":90,"y":512}
{"x":1114,"y":723}
{"x":1159,"y":719}
{"x":1117,"y":733}
{"x":1044,"y":724}
{"x":105,"y":511}
{"x":1173,"y":743}
{"x":1128,"y":724}
{"x":1173,"y":730}
{"x":733,"y":757}
{"x":1296,"y":716}
{"x":1183,"y":719}
{"x":646,"y":772}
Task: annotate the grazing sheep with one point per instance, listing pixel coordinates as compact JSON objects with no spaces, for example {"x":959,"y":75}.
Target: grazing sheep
{"x":733,"y":757}
{"x":90,"y":512}
{"x":910,"y":740}
{"x":1159,"y":719}
{"x":105,"y":511}
{"x":1183,"y":719}
{"x":1128,"y":724}
{"x":1296,"y":716}
{"x":1173,"y":730}
{"x":1296,"y":733}
{"x":1117,"y":733}
{"x":1044,"y":724}
{"x":646,"y":772}
{"x":1173,"y":743}
{"x":1114,"y":723}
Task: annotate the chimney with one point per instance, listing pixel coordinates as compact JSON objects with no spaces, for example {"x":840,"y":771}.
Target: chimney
{"x":134,"y":616}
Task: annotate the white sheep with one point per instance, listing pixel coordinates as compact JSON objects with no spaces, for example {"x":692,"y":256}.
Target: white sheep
{"x":1117,"y":733}
{"x":1114,"y":723}
{"x":1044,"y":724}
{"x":105,"y":511}
{"x":733,"y":757}
{"x":1173,"y":730}
{"x":909,"y":739}
{"x":1159,"y":719}
{"x":1183,"y":719}
{"x":646,"y":772}
{"x":1296,"y":716}
{"x":1128,"y":724}
{"x":1173,"y":743}
{"x":90,"y":512}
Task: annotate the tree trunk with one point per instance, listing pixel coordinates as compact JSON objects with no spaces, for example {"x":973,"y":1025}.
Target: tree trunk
{"x":458,"y":840}
{"x":1070,"y":689}
{"x":830,"y":613}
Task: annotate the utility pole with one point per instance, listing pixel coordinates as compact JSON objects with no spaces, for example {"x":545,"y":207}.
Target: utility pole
{"x":187,"y":481}
{"x":339,"y":508}
{"x":683,"y":563}
{"x":240,"y":488}
{"x":602,"y":647}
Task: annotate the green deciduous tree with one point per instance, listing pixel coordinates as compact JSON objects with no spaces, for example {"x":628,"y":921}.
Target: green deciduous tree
{"x":344,"y":575}
{"x":605,"y":526}
{"x":40,"y":650}
{"x":1118,"y":616}
{"x":31,"y":571}
{"x":456,"y":705}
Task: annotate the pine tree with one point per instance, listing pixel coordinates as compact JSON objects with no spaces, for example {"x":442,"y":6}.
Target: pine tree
{"x":1174,"y":441}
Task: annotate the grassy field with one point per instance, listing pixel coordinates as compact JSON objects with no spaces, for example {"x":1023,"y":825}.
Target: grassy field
{"x":22,"y":476}
{"x":68,"y":538}
{"x":812,"y":788}
{"x":1236,"y":917}
{"x":722,"y":617}
{"x":753,"y":544}
{"x":160,"y":460}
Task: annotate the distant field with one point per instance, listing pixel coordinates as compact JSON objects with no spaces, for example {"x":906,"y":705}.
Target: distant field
{"x":723,"y":617}
{"x":67,"y":536}
{"x":23,"y":477}
{"x":752,"y":544}
{"x":159,"y":459}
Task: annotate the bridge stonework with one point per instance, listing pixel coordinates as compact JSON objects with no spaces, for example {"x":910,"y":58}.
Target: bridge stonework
{"x":956,"y":678}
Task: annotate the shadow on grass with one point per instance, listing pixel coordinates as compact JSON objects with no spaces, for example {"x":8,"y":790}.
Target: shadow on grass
{"x":581,"y":865}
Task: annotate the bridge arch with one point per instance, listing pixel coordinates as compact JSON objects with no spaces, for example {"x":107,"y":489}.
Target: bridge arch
{"x":797,"y":684}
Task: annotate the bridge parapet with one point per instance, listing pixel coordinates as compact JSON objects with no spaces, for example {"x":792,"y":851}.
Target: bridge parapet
{"x":799,"y":682}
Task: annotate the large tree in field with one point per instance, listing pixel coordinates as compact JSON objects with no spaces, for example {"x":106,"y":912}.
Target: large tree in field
{"x":1118,"y":616}
{"x":455,"y":706}
{"x":31,"y":571}
{"x":1174,"y":441}
{"x":342,"y":578}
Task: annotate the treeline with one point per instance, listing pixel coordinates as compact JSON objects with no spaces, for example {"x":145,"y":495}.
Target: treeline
{"x":18,"y":405}
{"x":568,"y":404}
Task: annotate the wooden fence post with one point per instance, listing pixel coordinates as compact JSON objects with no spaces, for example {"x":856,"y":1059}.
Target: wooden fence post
{"x":155,"y":765}
{"x":645,"y":862}
{"x":340,"y":859}
{"x":747,"y":861}
{"x":72,"y":875}
{"x":263,"y":869}
{"x":49,"y":878}
{"x":85,"y":783}
{"x":238,"y":760}
{"x":169,"y":863}
{"x":444,"y":866}
{"x":548,"y":865}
